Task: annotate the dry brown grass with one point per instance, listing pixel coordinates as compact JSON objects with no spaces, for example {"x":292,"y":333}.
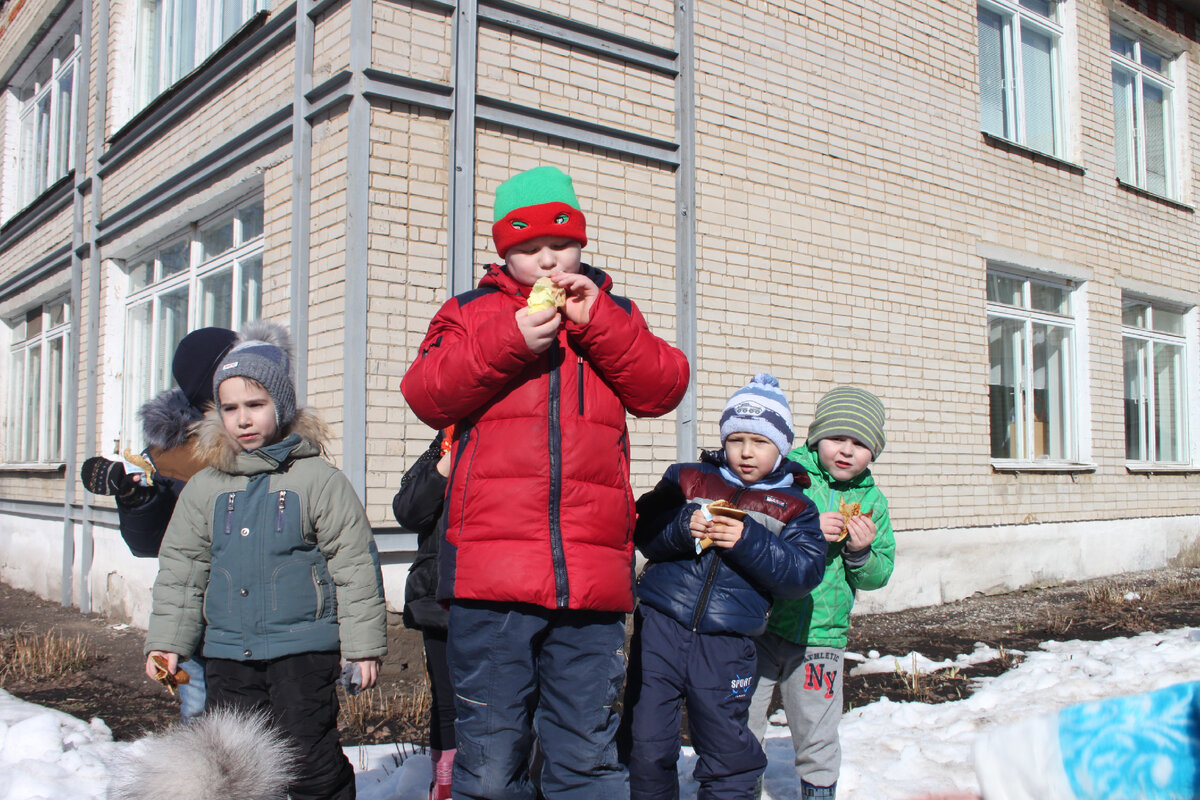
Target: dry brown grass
{"x":29,"y":657}
{"x":367,"y":712}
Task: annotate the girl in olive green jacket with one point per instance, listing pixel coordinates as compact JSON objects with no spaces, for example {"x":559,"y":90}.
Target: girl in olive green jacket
{"x":804,"y":647}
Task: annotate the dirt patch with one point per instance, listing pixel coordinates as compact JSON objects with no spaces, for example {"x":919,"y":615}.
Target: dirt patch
{"x":111,"y":684}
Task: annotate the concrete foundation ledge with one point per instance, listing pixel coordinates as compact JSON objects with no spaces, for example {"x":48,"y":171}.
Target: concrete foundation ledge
{"x":948,"y":564}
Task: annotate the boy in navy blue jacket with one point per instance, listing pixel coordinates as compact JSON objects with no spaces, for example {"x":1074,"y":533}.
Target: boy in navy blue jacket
{"x":706,"y":592}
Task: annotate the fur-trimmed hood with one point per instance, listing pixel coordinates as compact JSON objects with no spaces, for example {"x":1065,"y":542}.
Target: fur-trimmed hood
{"x":217,"y":449}
{"x":168,"y":418}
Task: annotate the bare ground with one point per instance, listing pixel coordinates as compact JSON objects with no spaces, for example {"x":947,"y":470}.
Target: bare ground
{"x":111,"y":685}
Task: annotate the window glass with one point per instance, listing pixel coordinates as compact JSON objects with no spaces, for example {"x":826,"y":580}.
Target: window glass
{"x":216,"y":240}
{"x":1122,"y":45}
{"x":1006,"y":352}
{"x":45,"y":118}
{"x":1144,"y":129}
{"x":37,"y":375}
{"x":1135,"y":314}
{"x":141,"y":275}
{"x":1155,"y":354}
{"x":1031,"y":370}
{"x":1168,"y":321}
{"x":1037,"y":53}
{"x":175,"y":259}
{"x":1054,"y":299}
{"x":252,"y":269}
{"x":1019,"y":72}
{"x":251,"y":220}
{"x":1004,"y":289}
{"x":1043,"y":8}
{"x":33,"y":402}
{"x":210,"y":276}
{"x":993,"y":73}
{"x":216,"y":299}
{"x":1168,"y":401}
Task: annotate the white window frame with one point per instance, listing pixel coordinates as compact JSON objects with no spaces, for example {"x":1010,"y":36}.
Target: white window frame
{"x":36,"y":422}
{"x":1023,"y":428}
{"x":1146,"y":338}
{"x":46,"y":144}
{"x":1134,"y":139}
{"x":175,"y":36}
{"x":150,"y":341}
{"x":1015,"y":18}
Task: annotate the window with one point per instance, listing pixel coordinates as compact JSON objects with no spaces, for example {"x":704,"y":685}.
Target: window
{"x":1031,"y":377}
{"x":210,"y":275}
{"x":1019,"y":69}
{"x":46,"y":120}
{"x":37,"y":370}
{"x":1155,"y":382}
{"x":1142,"y":92}
{"x":175,"y":36}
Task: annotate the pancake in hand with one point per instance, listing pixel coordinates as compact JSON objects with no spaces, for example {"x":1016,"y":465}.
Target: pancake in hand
{"x":545,"y":295}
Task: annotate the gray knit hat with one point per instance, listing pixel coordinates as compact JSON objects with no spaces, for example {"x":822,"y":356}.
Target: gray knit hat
{"x":849,"y":411}
{"x":759,"y":407}
{"x":263,"y":352}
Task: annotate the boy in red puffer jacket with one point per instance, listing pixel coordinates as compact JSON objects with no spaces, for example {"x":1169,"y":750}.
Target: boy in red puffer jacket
{"x":537,"y":561}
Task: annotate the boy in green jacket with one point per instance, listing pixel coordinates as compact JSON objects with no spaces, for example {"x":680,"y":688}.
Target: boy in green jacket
{"x":804,"y":646}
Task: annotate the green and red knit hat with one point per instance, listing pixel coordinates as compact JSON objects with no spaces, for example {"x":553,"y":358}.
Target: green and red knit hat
{"x":538,"y":202}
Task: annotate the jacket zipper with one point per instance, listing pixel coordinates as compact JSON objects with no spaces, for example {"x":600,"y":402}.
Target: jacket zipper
{"x":579,"y":372}
{"x":562,"y":591}
{"x":710,"y":578}
{"x":229,"y":515}
{"x":279,"y":515}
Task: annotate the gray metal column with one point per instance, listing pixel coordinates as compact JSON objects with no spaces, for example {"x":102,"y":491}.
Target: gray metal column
{"x":685,"y":223}
{"x":94,"y":296}
{"x":301,"y":193}
{"x":78,"y":247}
{"x":354,"y":432}
{"x":461,"y":268}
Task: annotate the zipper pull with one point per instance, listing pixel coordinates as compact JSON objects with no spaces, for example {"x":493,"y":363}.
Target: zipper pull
{"x":229,"y":516}
{"x":279,"y":514}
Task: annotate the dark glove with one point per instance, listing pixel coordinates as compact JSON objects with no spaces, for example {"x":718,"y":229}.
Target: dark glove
{"x":101,"y":476}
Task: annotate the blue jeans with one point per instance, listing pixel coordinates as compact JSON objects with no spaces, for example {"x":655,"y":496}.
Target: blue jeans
{"x":518,"y":670}
{"x":191,"y":694}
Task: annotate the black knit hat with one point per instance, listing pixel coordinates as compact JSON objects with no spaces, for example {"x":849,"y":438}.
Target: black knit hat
{"x":196,"y":359}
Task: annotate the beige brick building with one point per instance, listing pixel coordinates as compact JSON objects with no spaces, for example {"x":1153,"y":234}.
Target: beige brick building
{"x":983,"y":212}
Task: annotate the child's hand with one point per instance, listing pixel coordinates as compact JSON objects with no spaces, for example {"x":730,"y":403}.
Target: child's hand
{"x":833,"y":524}
{"x":369,"y":668}
{"x":172,"y":660}
{"x":540,"y":328}
{"x":726,"y":532}
{"x":581,"y":294}
{"x":862,"y":533}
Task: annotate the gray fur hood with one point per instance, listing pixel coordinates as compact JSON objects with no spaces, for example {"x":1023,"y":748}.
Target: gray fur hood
{"x":167,"y":419}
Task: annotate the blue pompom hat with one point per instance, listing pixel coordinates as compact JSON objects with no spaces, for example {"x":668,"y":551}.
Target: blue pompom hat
{"x":760,"y":407}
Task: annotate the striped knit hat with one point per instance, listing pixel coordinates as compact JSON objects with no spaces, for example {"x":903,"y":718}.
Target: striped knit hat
{"x":759,"y":407}
{"x":849,"y":411}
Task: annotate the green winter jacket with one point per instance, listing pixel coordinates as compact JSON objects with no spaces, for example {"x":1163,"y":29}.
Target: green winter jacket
{"x":823,"y":617}
{"x":269,"y":554}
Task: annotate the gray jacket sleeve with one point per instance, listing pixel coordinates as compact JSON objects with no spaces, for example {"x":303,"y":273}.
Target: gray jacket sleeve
{"x":345,"y":539}
{"x":176,"y":617}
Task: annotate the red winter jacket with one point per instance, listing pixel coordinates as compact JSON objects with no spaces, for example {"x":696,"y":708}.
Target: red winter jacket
{"x":539,"y":504}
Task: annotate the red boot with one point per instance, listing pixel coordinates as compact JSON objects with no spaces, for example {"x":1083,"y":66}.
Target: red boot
{"x":443,"y":769}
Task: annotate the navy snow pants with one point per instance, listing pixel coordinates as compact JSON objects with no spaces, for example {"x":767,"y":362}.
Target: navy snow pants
{"x":714,"y":675}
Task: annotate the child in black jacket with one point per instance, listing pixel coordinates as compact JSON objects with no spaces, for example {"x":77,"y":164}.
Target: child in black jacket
{"x":418,"y":506}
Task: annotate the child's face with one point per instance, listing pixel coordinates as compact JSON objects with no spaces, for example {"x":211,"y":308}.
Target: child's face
{"x":544,"y":255}
{"x":247,"y":412}
{"x":751,"y":456}
{"x":843,"y":457}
